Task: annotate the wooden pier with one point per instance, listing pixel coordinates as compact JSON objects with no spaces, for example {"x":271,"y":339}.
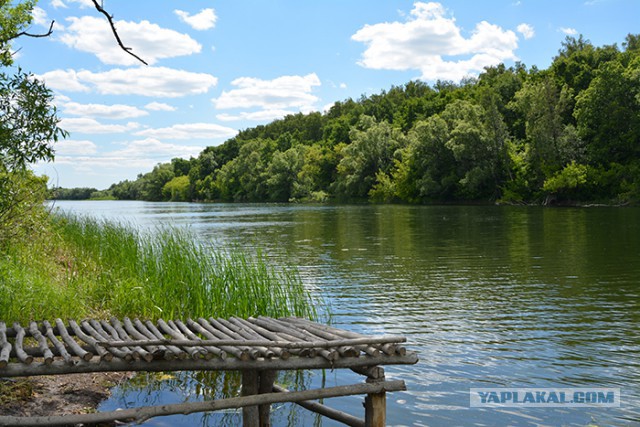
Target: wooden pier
{"x":258,"y":347}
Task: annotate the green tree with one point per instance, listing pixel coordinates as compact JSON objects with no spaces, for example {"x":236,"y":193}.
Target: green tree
{"x":550,"y":142}
{"x":340,"y":118}
{"x":566,"y":182}
{"x":426,"y":169}
{"x":476,"y":154}
{"x":72,"y":193}
{"x":28,"y":127}
{"x":177,"y":190}
{"x":577,"y":62}
{"x":28,"y":121}
{"x":244,"y":178}
{"x":317,"y":173}
{"x":372,"y":149}
{"x":152,"y":183}
{"x":181,"y":166}
{"x":282,"y":173}
{"x":127,"y":190}
{"x":455,"y":154}
{"x":15,"y":18}
{"x":22,"y":213}
{"x":496,"y":87}
{"x":607,"y":113}
{"x":202,"y":176}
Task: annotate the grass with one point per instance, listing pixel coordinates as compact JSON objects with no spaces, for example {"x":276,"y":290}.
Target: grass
{"x":85,"y":267}
{"x":79,"y":267}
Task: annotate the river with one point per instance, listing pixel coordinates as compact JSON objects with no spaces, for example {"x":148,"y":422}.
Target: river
{"x":517,"y":297}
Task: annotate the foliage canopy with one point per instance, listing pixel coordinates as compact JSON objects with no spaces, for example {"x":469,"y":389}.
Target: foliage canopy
{"x":566,"y":134}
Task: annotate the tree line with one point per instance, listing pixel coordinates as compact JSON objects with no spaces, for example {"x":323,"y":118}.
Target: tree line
{"x":567,"y":134}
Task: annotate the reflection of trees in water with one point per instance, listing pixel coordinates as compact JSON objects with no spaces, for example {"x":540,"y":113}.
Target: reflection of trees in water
{"x":157,"y":388}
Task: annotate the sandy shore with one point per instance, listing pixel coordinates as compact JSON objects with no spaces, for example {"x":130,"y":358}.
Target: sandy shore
{"x":57,"y":394}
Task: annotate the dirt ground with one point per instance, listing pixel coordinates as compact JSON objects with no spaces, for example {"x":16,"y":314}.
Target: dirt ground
{"x":57,"y":394}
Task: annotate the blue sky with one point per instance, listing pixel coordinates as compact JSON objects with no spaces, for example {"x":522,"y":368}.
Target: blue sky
{"x":217,"y":67}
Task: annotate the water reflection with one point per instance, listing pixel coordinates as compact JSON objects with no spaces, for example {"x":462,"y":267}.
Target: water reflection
{"x":489,"y":296}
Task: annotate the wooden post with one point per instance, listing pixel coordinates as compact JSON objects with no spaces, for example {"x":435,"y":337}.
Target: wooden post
{"x":250,"y":415}
{"x":267,"y":378}
{"x":375,"y":405}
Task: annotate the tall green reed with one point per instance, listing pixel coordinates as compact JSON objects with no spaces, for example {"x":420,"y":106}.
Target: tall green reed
{"x":170,"y":273}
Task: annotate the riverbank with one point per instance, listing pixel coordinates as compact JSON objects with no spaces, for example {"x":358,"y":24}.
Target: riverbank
{"x":78,"y":267}
{"x":57,"y":394}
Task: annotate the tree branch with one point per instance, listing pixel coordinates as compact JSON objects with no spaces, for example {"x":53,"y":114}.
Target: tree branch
{"x":26,"y":34}
{"x":100,"y":9}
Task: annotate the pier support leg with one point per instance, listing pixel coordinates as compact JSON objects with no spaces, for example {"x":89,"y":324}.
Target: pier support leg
{"x":250,"y":415}
{"x":375,"y":407}
{"x":257,"y":382}
{"x":266,"y":380}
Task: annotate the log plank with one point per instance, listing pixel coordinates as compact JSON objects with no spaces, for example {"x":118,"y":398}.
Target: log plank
{"x":5,"y":346}
{"x":73,"y":345}
{"x":42,"y":343}
{"x":18,"y":344}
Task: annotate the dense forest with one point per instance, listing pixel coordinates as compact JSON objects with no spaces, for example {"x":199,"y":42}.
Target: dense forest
{"x":567,"y":134}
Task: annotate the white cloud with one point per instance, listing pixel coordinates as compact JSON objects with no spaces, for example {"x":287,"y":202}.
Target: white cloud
{"x":40,"y":16}
{"x":66,"y":80}
{"x":280,"y":93}
{"x":258,"y":116}
{"x":88,"y":164}
{"x":204,"y":20}
{"x":82,"y":3}
{"x":189,"y":131}
{"x":61,"y":99}
{"x":58,"y":4}
{"x":526,"y":30}
{"x":115,"y":111}
{"x":431,"y":42}
{"x":144,"y":81}
{"x":92,"y":126}
{"x":140,"y":155}
{"x":159,"y":106}
{"x":144,"y":153}
{"x":147,"y":40}
{"x":153,"y":150}
{"x":328,"y":107}
{"x":569,"y":31}
{"x":71,"y":147}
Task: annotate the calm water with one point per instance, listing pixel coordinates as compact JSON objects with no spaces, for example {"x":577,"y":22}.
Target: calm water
{"x":488,"y":296}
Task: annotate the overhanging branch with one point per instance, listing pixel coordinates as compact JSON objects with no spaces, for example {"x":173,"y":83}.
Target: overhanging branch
{"x":100,"y":9}
{"x":26,"y":34}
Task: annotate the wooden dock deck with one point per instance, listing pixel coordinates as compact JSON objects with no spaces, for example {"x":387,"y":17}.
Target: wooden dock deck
{"x":258,"y":347}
